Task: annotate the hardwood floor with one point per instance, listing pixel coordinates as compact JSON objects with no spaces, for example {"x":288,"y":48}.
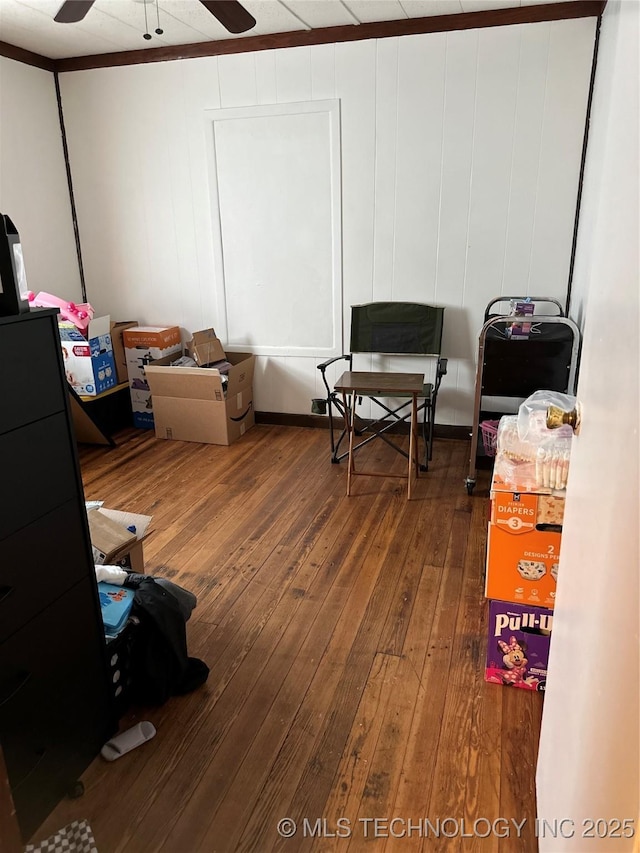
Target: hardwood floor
{"x":346,"y":641}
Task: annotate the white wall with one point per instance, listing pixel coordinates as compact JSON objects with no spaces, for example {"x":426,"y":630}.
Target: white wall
{"x":33,"y":182}
{"x":589,"y":760}
{"x":460,"y":161}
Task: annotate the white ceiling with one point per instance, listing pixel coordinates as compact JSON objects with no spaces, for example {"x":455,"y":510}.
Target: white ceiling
{"x":115,"y":25}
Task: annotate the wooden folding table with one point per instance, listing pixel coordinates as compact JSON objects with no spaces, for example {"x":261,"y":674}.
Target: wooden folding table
{"x":369,"y":384}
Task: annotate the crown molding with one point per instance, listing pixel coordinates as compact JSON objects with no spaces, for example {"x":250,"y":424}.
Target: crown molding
{"x":332,"y":35}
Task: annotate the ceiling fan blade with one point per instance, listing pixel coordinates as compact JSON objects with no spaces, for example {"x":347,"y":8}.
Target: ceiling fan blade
{"x":73,"y":11}
{"x":231,"y":14}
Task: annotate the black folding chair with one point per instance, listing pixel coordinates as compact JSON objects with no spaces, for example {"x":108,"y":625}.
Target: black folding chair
{"x":388,"y":328}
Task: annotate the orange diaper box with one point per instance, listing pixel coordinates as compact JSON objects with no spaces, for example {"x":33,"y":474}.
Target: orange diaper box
{"x":523,"y":549}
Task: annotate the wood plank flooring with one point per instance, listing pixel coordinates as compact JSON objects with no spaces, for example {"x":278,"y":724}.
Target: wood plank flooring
{"x":346,"y":641}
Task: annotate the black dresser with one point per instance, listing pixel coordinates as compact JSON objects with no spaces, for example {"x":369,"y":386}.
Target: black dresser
{"x":55,"y":703}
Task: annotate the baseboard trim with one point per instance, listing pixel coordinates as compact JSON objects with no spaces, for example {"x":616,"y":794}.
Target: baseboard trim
{"x":321,"y":422}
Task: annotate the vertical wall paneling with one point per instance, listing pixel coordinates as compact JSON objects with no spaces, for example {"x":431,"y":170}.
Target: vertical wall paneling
{"x":460,"y":155}
{"x":459,"y":334}
{"x":323,"y":72}
{"x":562,"y":134}
{"x":238,"y":83}
{"x":494,"y":121}
{"x":293,"y":75}
{"x":155,"y":164}
{"x":179,"y":206}
{"x":386,"y":137}
{"x":532,"y":88}
{"x":421,"y":67}
{"x":201,"y":91}
{"x":355,"y":85}
{"x":104,"y":144}
{"x":33,"y":183}
{"x":265,"y":70}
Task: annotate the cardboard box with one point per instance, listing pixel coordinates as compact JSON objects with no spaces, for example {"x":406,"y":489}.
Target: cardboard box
{"x":116,"y":538}
{"x":192,"y":404}
{"x":520,"y":329}
{"x":143,"y":345}
{"x":521,"y":511}
{"x":205,"y":348}
{"x":523,"y":549}
{"x":88,"y":360}
{"x":518,"y":645}
{"x":118,"y":348}
{"x":522,"y":565}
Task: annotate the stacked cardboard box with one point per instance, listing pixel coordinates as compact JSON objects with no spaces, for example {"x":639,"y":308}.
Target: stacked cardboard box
{"x":118,"y":347}
{"x":210,"y":403}
{"x":523,"y":550}
{"x":523,"y":553}
{"x":143,"y":345}
{"x":518,"y":645}
{"x":88,"y":357}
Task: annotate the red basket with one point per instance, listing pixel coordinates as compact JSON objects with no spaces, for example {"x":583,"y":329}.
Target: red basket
{"x":489,"y":431}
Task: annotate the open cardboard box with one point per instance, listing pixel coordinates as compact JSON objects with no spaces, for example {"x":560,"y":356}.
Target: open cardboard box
{"x":88,"y":358}
{"x":205,"y":348}
{"x":191,"y":404}
{"x":116,"y":538}
{"x":118,"y":347}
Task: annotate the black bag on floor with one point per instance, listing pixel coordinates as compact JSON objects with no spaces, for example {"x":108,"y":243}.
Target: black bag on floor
{"x":161,"y":666}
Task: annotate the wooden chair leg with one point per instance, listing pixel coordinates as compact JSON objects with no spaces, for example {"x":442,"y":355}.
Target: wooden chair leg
{"x":350,"y":420}
{"x":412,"y":444}
{"x":416,"y":442}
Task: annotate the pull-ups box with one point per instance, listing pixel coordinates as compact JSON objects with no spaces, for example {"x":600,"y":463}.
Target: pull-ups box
{"x":196,"y":404}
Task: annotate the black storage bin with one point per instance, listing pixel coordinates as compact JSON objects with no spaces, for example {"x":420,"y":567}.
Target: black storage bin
{"x":120,"y":651}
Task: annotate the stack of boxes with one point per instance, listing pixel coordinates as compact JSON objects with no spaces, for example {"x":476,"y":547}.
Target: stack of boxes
{"x":142,"y":345}
{"x":205,"y":395}
{"x":523,"y":553}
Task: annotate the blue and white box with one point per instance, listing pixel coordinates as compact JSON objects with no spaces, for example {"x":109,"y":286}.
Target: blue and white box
{"x":89,"y":362}
{"x":115,"y":604}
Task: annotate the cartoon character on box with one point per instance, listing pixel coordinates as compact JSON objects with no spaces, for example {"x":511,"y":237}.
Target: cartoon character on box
{"x":514,"y":660}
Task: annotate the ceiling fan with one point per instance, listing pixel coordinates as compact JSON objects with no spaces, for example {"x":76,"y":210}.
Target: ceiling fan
{"x":231,"y":14}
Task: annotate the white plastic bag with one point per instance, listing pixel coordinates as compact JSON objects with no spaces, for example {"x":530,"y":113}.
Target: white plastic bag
{"x":530,"y":455}
{"x":532,"y":416}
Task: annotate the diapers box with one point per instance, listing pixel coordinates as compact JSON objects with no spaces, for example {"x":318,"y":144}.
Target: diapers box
{"x":525,"y":510}
{"x":142,"y":346}
{"x":518,"y":645}
{"x":88,"y":358}
{"x":522,"y":566}
{"x":523,"y":548}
